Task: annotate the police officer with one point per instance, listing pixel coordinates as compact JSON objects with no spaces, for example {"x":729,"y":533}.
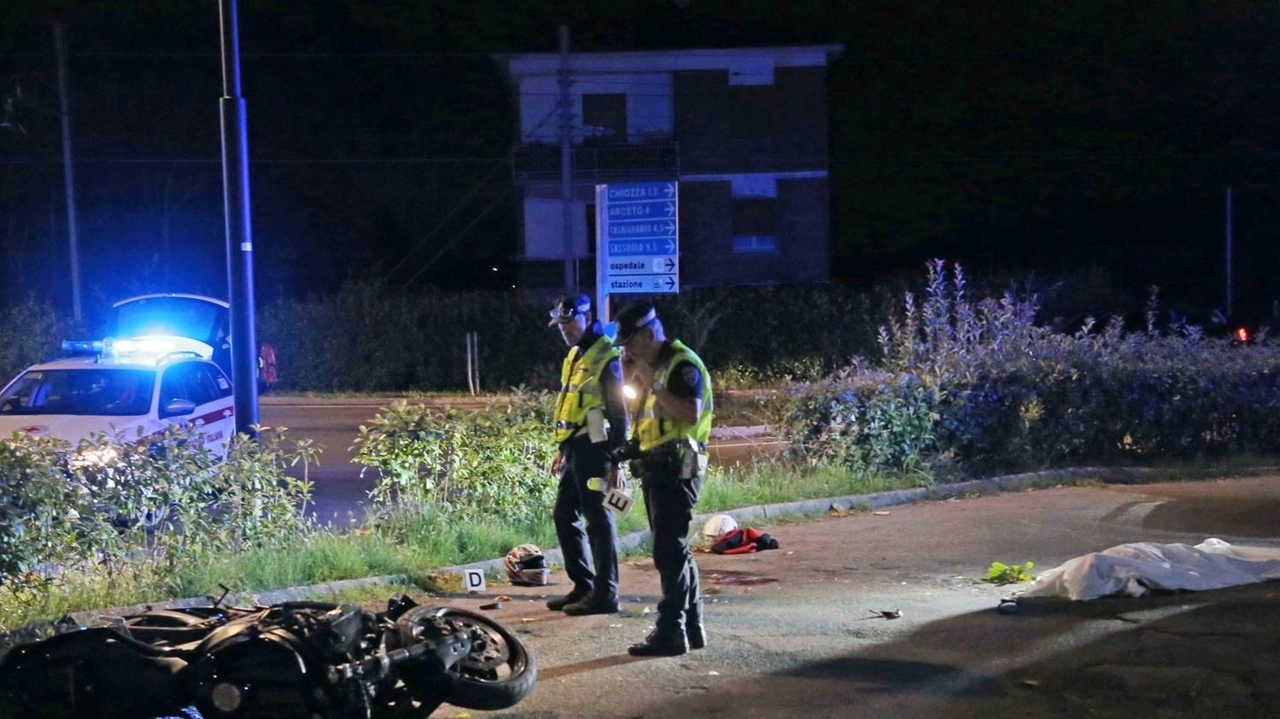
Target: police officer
{"x":670,"y":434}
{"x":591,"y":427}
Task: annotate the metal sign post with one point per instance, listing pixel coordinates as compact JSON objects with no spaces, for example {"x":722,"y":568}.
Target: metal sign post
{"x":235,"y":192}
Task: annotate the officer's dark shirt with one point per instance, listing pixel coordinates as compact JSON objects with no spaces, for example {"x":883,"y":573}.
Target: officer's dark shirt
{"x":685,"y":379}
{"x":615,"y":409}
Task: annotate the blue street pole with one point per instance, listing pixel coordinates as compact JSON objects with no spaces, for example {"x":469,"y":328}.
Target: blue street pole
{"x":235,"y":190}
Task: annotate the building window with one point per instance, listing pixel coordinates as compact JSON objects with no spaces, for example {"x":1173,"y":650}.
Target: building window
{"x":751,"y":110}
{"x":755,"y":225}
{"x":605,"y":117}
{"x":755,"y":243}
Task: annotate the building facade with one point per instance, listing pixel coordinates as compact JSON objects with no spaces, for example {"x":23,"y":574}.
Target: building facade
{"x":743,"y":131}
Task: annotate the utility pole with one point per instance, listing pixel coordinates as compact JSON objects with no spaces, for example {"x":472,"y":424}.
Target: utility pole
{"x":68,"y":171}
{"x":235,"y":193}
{"x":566,"y":164}
{"x":1230,"y":313}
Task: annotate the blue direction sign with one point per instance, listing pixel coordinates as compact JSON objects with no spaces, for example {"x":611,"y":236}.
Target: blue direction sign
{"x":640,"y":230}
{"x":638,"y":235}
{"x":655,"y":248}
{"x":642,"y":284}
{"x":623,"y":265}
{"x":643,"y":209}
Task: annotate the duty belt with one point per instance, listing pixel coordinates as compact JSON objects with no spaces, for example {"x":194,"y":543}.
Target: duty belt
{"x":673,"y":446}
{"x":578,"y":429}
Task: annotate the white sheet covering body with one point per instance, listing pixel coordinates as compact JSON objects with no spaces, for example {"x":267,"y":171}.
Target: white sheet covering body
{"x":1142,"y":567}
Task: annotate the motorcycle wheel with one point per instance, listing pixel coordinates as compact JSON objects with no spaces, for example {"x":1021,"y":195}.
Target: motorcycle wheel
{"x":497,"y":673}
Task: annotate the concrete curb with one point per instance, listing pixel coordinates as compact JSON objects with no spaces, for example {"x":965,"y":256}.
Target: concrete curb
{"x":754,"y":430}
{"x":743,"y":515}
{"x":380,"y":401}
{"x":440,"y":400}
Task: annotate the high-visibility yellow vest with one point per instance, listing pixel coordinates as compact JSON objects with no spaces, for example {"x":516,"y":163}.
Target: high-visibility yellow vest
{"x":654,"y":427}
{"x":580,"y":389}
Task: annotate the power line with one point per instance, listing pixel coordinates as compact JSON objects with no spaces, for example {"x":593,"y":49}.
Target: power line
{"x":500,"y":161}
{"x":723,"y":53}
{"x":1269,"y":157}
{"x":269,"y":161}
{"x":440,"y":225}
{"x":459,"y":205}
{"x":460,"y":235}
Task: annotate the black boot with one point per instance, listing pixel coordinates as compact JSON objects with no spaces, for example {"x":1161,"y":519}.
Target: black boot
{"x":557,"y":604}
{"x":593,"y":605}
{"x":660,"y":643}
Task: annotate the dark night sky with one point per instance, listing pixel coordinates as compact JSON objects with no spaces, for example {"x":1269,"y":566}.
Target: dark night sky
{"x":1015,"y":136}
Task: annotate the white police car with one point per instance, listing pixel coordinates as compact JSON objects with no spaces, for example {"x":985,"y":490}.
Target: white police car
{"x":125,"y":389}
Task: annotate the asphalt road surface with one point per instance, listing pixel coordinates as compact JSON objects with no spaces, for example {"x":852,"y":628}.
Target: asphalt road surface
{"x":797,"y":632}
{"x":340,"y":491}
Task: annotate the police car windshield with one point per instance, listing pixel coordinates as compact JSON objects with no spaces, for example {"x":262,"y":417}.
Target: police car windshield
{"x":92,"y":391}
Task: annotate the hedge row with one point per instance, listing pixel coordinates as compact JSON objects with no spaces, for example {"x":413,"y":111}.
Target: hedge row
{"x":973,"y":387}
{"x":369,"y":337}
{"x":30,"y":332}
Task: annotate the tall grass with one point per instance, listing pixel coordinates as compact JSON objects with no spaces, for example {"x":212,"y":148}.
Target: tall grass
{"x":409,"y":543}
{"x":771,"y":483}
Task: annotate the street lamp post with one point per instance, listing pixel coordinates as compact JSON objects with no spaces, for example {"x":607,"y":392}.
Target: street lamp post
{"x":235,"y":189}
{"x":68,"y":169}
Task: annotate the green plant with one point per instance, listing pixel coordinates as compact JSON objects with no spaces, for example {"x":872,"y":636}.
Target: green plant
{"x":37,"y":512}
{"x":491,"y":463}
{"x":30,"y":332}
{"x":71,"y":517}
{"x":969,"y":387}
{"x":1000,"y":573}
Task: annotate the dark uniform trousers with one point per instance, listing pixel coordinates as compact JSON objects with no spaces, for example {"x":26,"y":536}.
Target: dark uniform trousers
{"x":669,"y":501}
{"x":574,"y":502}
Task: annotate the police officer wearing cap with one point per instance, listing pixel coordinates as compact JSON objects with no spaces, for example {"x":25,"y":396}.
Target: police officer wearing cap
{"x":669,"y":434}
{"x":591,"y":429}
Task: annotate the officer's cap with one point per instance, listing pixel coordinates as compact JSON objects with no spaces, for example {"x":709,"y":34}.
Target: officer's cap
{"x":567,"y":306}
{"x":633,"y":318}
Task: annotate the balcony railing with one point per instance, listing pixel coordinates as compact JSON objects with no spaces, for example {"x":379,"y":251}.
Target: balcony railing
{"x":598,"y":161}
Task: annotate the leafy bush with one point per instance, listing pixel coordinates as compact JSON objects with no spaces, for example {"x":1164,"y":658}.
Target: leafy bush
{"x":463,"y":464}
{"x":977,"y":387}
{"x":876,"y":421}
{"x":34,"y":503}
{"x":30,"y":332}
{"x":80,"y":510}
{"x":752,"y":336}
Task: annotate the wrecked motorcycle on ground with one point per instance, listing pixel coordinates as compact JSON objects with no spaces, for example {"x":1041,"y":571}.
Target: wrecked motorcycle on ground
{"x":297,"y":659}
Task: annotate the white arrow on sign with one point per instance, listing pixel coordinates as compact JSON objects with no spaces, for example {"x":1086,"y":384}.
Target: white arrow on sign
{"x":644,"y":283}
{"x":671,"y":189}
